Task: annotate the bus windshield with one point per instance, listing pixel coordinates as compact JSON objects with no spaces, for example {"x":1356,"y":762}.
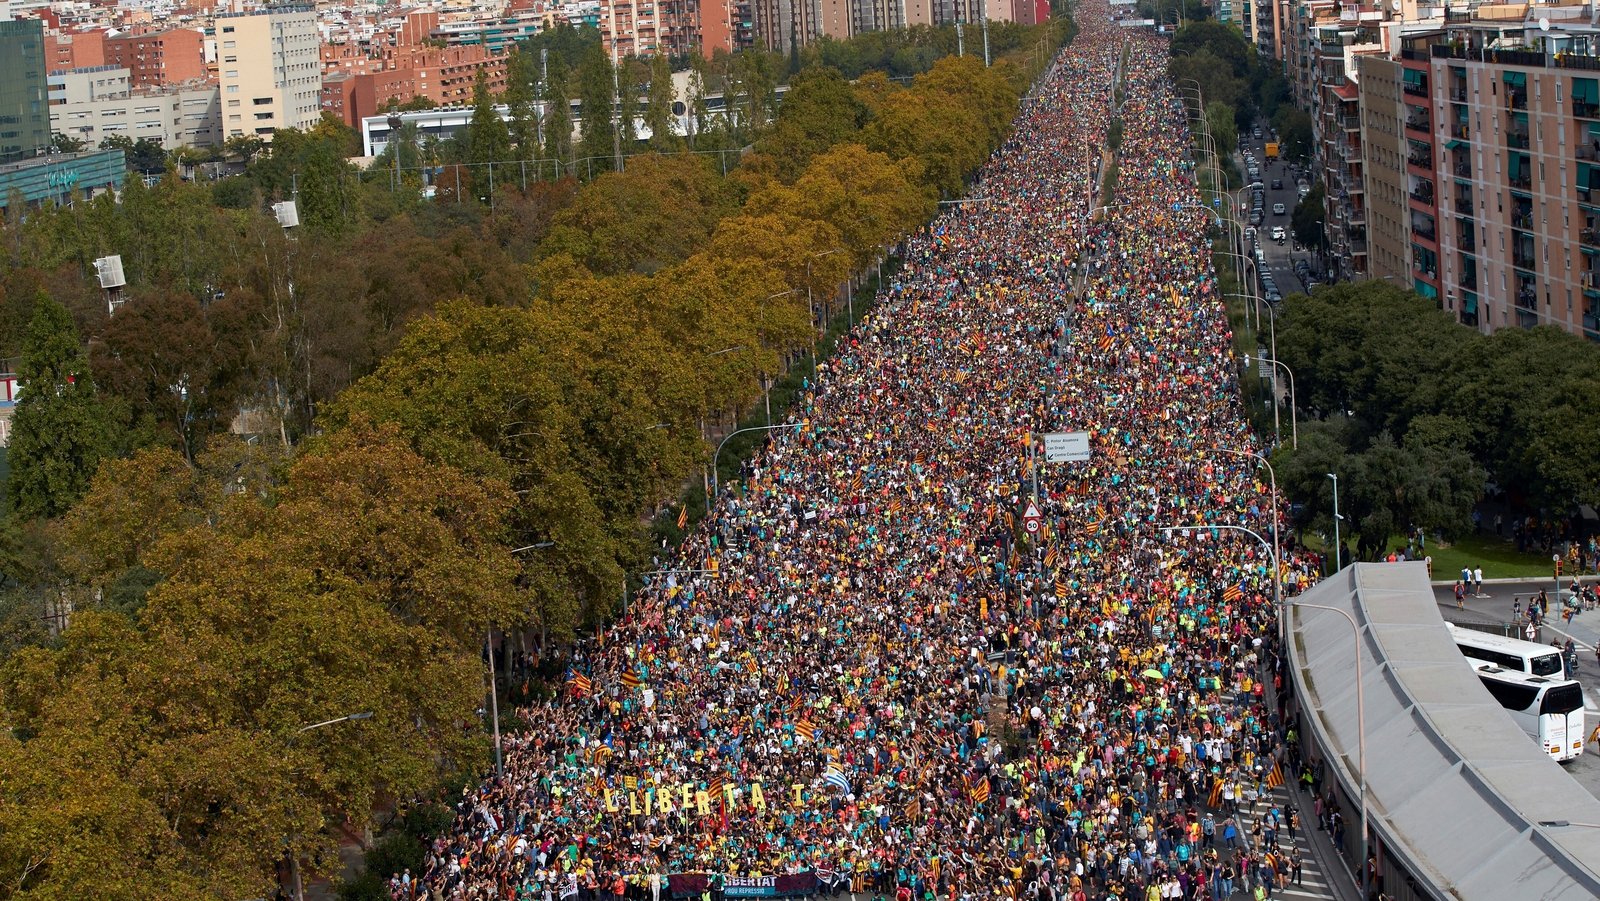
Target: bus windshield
{"x":1547,"y":665}
{"x":1562,"y":699}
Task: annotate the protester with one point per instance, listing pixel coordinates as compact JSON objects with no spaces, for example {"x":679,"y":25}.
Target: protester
{"x":933,"y":704}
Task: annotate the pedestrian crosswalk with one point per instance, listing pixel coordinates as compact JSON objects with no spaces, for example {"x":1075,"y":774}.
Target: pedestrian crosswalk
{"x":1314,"y":883}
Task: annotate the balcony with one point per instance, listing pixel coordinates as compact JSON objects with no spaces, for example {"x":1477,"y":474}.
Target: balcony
{"x":1583,"y":109}
{"x":1460,"y":131}
{"x":1469,"y":282}
{"x":1420,"y":160}
{"x":1517,"y":99}
{"x":1589,"y":236}
{"x":1458,"y":95}
{"x":1426,"y":234}
{"x":1522,"y":182}
{"x":1463,"y":205}
{"x":1523,"y":221}
{"x":1418,"y":123}
{"x":1466,"y":243}
{"x":1462,"y":169}
{"x":1517,"y":140}
{"x":1423,"y":197}
{"x":1421,"y":90}
{"x":1523,"y":261}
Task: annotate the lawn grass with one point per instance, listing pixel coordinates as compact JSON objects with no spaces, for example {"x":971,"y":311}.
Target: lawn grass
{"x":1499,"y":559}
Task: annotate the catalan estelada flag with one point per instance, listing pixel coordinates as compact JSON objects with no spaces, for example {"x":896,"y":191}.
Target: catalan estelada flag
{"x":683,"y":517}
{"x":805,"y":730}
{"x":631,"y":679}
{"x":1106,"y":341}
{"x":1275,"y":778}
{"x":978,"y":790}
{"x":581,"y":685}
{"x":1234,"y":593}
{"x":1050,"y":558}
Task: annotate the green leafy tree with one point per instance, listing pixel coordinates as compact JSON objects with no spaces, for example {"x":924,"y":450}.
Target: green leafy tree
{"x":558,"y":116}
{"x":595,"y":140}
{"x":1308,"y":216}
{"x":61,"y":430}
{"x":488,"y":141}
{"x":656,"y":212}
{"x":820,"y":110}
{"x":1220,"y":122}
{"x":658,"y":118}
{"x":627,"y":105}
{"x":1294,"y":133}
{"x":522,"y":78}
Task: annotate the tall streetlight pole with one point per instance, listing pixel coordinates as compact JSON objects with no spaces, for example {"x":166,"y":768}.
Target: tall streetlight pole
{"x":298,"y":887}
{"x":1337,"y":562}
{"x":1361,"y":697}
{"x":1294,"y":415}
{"x":715,"y":486}
{"x":655,"y":572}
{"x":1272,"y":549}
{"x":1271,"y":474}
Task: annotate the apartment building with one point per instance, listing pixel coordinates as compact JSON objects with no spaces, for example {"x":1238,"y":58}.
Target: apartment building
{"x":445,"y":75}
{"x":784,"y":26}
{"x":1384,"y":150}
{"x":96,"y":103}
{"x":269,"y":70}
{"x":171,"y":56}
{"x":81,"y":50}
{"x":1522,"y":245}
{"x":1459,"y":149}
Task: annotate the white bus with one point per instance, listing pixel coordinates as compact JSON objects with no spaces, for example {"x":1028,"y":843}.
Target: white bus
{"x":1510,"y":654}
{"x":1550,"y":709}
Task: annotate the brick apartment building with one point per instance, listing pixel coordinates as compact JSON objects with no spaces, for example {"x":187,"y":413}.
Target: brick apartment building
{"x":172,"y":56}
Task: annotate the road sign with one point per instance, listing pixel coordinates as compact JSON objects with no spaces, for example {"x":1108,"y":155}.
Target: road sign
{"x":1030,"y":519}
{"x":1066,"y":447}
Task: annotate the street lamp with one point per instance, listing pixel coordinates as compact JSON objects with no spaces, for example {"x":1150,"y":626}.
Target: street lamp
{"x":654,"y":572}
{"x":294,"y":856}
{"x":715,"y":486}
{"x":530,"y":547}
{"x":1337,"y":562}
{"x":347,"y":718}
{"x":1271,"y":474}
{"x":1277,"y":571}
{"x":1294,"y":415}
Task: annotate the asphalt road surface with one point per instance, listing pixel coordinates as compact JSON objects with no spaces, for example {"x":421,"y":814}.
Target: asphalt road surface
{"x":1280,"y":257}
{"x":1494,"y":606}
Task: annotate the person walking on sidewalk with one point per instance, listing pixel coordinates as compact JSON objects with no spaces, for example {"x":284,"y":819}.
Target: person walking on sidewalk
{"x":1477,"y":582}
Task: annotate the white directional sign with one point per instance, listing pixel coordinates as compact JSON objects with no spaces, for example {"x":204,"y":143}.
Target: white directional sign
{"x":1066,"y":447}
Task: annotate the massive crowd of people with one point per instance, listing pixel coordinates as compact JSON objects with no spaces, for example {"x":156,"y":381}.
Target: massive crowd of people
{"x":933,"y":702}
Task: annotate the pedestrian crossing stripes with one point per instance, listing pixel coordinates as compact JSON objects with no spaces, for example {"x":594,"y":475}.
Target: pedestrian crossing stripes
{"x":1313,"y":882}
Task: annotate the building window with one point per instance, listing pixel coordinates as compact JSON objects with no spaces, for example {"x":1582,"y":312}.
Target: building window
{"x":233,"y":89}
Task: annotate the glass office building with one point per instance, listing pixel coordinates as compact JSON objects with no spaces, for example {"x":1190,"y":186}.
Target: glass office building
{"x":24,"y":113}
